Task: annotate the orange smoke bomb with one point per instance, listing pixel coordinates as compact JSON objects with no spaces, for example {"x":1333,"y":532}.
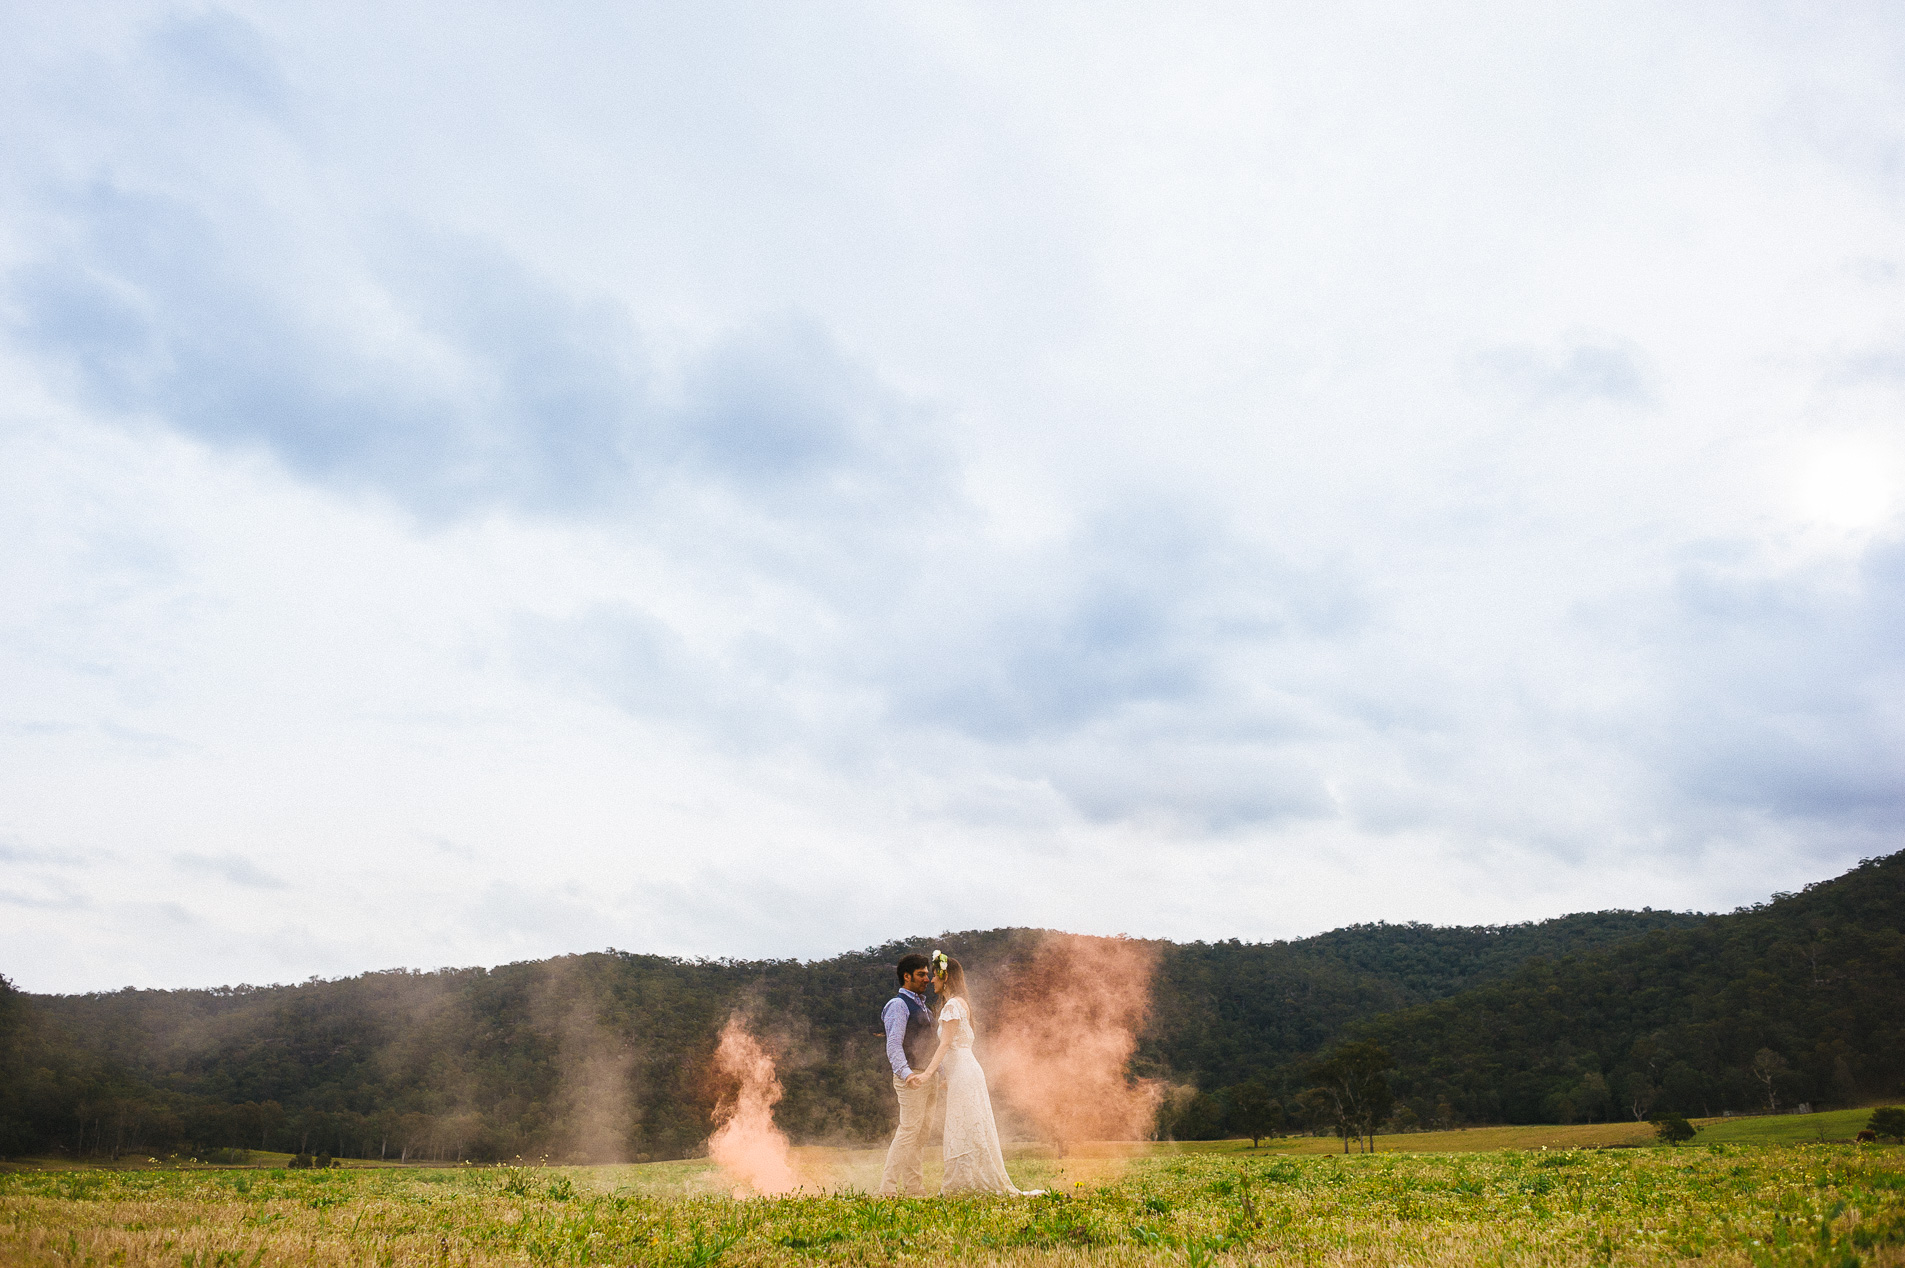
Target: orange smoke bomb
{"x":746,"y":1143}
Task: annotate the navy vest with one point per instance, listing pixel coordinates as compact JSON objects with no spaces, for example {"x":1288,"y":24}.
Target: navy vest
{"x":918,"y":1041}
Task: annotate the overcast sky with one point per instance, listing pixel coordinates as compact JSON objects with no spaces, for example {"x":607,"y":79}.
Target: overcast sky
{"x":482,"y":482}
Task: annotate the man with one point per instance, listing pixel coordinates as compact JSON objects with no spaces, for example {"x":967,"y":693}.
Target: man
{"x":909,"y":1047}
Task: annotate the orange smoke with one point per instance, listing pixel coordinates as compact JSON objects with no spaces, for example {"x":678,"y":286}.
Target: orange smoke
{"x":746,"y":1143}
{"x":1060,"y":1047}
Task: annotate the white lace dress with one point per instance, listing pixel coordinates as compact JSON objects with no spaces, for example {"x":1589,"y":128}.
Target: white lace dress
{"x":974,"y":1163}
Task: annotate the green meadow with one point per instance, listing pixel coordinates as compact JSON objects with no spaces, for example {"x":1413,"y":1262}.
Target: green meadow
{"x":1782,"y":1129}
{"x":1711,"y":1203}
{"x":1764,"y":1129}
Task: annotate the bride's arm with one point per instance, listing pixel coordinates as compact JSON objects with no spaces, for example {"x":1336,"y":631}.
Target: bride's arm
{"x":945,"y":1042}
{"x":932,"y":1067}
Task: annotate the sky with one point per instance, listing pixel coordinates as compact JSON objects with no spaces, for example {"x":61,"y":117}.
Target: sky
{"x":481,"y":482}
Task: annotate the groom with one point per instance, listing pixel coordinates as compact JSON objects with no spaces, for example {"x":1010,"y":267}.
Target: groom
{"x":909,"y":1046}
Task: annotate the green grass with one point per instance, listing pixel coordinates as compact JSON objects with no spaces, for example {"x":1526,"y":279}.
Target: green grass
{"x":1768,"y":1129}
{"x":1782,"y":1129}
{"x":1459,"y":1140}
{"x":1836,"y":1205}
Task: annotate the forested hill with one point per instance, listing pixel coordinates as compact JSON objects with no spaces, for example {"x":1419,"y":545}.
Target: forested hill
{"x":1227,"y":1012}
{"x":603,"y":1054}
{"x":1799,"y":999}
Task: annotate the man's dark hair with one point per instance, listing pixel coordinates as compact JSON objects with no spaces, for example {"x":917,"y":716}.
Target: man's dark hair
{"x":911,"y":964}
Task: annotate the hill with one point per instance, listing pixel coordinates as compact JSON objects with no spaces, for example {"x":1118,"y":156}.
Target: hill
{"x":603,"y":1055}
{"x":1227,"y":1012}
{"x":1584,"y":1018}
{"x":1800,"y":999}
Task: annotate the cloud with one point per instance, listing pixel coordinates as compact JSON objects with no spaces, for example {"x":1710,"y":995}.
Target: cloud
{"x":778,"y":412}
{"x":454,"y":381}
{"x":1210,"y":473}
{"x":544,"y":917}
{"x":1103,"y":667}
{"x":47,"y":880}
{"x":233,"y":869}
{"x":219,"y":52}
{"x":1781,"y":690}
{"x":60,"y":898}
{"x":1144,"y":605}
{"x":11,"y":852}
{"x":532,"y":404}
{"x":632,"y":658}
{"x":1587,"y":371}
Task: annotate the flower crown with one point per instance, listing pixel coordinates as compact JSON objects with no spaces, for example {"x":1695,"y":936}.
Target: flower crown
{"x":939,"y":962}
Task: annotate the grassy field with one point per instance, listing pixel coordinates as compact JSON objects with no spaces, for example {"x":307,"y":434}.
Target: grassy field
{"x":1725,"y":1204}
{"x":1768,"y":1129}
{"x":1782,"y":1129}
{"x":1469,"y":1140}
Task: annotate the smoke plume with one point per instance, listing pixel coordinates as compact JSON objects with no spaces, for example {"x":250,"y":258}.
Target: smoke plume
{"x":594,"y":1104}
{"x":1060,"y":1047}
{"x":746,"y":1143}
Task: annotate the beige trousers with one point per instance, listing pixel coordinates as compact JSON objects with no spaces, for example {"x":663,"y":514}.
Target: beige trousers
{"x":906,"y":1159}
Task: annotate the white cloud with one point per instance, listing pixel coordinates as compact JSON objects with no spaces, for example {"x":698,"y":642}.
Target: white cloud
{"x":233,"y":869}
{"x":728,"y":482}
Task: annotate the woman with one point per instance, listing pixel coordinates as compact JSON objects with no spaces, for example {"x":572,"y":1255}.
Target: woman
{"x":974,"y":1163}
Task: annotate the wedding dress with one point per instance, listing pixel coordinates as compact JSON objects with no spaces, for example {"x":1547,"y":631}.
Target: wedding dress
{"x":974,"y":1163}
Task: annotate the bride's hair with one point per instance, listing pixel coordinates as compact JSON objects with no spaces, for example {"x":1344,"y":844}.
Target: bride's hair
{"x":955,"y":984}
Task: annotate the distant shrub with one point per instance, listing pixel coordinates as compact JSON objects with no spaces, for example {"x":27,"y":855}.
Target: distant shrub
{"x":1673,"y":1129}
{"x":1888,"y":1122}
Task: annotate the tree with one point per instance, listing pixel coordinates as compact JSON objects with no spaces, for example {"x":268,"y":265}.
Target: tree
{"x":1355,"y":1082}
{"x":1888,"y":1121}
{"x":1768,"y":1067}
{"x":1683,"y":1089}
{"x":261,"y":1118}
{"x":1312,"y":1109}
{"x":1198,"y":1116}
{"x":1673,"y":1129}
{"x":1253,"y":1113}
{"x":1593,"y":1101}
{"x":1638,"y":1093}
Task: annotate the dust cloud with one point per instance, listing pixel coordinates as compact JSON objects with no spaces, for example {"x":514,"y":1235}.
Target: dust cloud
{"x":746,"y":1143}
{"x":1065,"y":1026}
{"x":594,"y":1105}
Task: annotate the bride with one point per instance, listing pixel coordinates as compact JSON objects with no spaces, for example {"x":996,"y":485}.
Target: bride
{"x":974,"y":1163}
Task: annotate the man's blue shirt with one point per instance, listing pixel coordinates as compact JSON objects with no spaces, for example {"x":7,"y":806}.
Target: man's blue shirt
{"x":894,"y":1016}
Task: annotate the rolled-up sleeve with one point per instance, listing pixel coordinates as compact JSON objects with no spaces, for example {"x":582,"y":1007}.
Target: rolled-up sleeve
{"x":894,"y":1015}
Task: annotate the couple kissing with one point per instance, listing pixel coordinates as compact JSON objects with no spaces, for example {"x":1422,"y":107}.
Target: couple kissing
{"x":973,"y":1160}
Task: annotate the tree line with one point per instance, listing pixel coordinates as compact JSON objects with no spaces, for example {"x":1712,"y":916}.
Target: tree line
{"x":1796,"y":1001}
{"x":605,"y":1055}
